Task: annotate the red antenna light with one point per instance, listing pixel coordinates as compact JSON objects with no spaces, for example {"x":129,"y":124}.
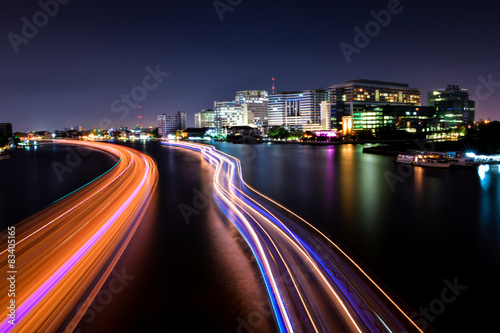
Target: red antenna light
{"x":139,"y":117}
{"x":273,"y":85}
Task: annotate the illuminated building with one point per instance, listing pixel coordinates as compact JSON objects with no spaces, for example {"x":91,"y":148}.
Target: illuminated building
{"x":230,"y":113}
{"x":410,"y":117}
{"x":256,"y":101}
{"x":169,"y":124}
{"x":248,"y":108}
{"x":205,"y":118}
{"x":366,"y":100}
{"x":346,"y":125}
{"x":453,"y":106}
{"x":301,"y":109}
{"x":326,"y":123}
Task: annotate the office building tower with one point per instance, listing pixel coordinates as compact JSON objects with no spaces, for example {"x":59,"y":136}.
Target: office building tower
{"x":453,"y":106}
{"x":257,"y":102}
{"x":230,"y":113}
{"x":300,"y":109}
{"x":205,"y":118}
{"x":169,"y":124}
{"x":364,"y":101}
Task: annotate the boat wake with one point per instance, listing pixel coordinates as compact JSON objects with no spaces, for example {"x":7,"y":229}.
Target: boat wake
{"x":313,"y":284}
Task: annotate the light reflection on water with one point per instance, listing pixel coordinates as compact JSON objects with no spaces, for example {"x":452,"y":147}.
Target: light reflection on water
{"x":437,"y":223}
{"x":489,"y":201}
{"x":234,"y":262}
{"x":482,"y":169}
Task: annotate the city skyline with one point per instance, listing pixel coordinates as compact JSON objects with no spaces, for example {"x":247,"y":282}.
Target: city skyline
{"x":154,"y":123}
{"x":78,"y":63}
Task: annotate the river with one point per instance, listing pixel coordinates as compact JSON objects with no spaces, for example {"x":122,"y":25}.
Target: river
{"x":432,"y":236}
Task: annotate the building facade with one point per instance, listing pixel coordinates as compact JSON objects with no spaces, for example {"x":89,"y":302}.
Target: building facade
{"x":257,"y":102}
{"x":301,"y":109}
{"x":411,"y":118}
{"x":205,"y":118}
{"x":248,"y":108}
{"x":453,"y":106}
{"x":169,"y":124}
{"x":364,"y":101}
{"x":230,"y":113}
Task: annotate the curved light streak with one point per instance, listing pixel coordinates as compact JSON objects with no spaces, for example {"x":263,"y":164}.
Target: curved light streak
{"x":66,"y":252}
{"x":338,"y":295}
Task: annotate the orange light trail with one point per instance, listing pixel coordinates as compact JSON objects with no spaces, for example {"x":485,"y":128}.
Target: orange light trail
{"x":65,"y":253}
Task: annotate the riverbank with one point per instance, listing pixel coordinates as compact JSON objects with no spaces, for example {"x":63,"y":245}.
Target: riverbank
{"x":320,"y":143}
{"x":442,"y":146}
{"x":330,"y":143}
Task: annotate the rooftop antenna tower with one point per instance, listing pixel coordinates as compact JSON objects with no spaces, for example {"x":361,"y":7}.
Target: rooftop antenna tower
{"x":273,"y":85}
{"x":139,"y":118}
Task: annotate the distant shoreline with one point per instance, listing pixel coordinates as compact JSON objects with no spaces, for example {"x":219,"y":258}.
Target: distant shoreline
{"x":333,"y":143}
{"x":395,"y":147}
{"x":438,"y":146}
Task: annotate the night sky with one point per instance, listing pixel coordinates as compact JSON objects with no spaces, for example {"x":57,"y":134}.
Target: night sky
{"x":91,"y":52}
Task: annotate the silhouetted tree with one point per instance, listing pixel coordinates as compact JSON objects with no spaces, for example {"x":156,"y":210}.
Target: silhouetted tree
{"x":489,"y":136}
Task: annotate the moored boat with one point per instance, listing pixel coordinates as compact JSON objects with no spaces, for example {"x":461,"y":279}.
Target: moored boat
{"x":405,"y":158}
{"x":434,"y":162}
{"x":464,"y":162}
{"x":431,"y":159}
{"x":445,"y":159}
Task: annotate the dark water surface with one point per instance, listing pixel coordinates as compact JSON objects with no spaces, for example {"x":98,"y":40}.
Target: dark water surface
{"x":413,"y":227}
{"x":33,"y":179}
{"x":194,"y":274}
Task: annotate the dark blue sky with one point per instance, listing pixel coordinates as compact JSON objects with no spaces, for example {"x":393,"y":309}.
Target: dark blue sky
{"x":91,"y":52}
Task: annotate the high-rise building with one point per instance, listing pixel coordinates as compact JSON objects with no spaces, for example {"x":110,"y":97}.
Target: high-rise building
{"x":301,"y":109}
{"x":364,"y":101}
{"x":230,"y":113}
{"x":453,"y":106}
{"x":169,"y":124}
{"x":256,"y":101}
{"x":205,"y":118}
{"x":250,"y":107}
